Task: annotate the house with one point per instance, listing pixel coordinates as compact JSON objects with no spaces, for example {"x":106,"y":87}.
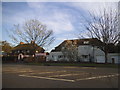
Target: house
{"x":27,"y":50}
{"x":84,"y":49}
{"x":87,"y":50}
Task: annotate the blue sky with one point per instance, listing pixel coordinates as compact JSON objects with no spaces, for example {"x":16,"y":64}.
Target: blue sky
{"x":64,"y":18}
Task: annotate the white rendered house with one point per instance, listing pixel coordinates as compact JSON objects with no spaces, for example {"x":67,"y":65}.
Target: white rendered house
{"x":88,"y":51}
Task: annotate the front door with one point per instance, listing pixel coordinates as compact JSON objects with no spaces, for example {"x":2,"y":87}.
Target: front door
{"x":20,"y":57}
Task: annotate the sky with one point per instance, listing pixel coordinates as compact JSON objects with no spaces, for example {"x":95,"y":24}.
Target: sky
{"x":64,"y":18}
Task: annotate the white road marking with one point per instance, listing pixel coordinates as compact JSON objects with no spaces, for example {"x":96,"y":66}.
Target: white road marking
{"x":16,"y":71}
{"x":88,"y":67}
{"x":30,"y":71}
{"x":89,"y":78}
{"x":71,"y":67}
{"x":63,"y":75}
{"x":47,"y":72}
{"x":48,"y":78}
{"x":68,"y":80}
{"x":82,"y":67}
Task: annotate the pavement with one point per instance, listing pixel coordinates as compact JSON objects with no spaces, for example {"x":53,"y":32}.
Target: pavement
{"x":31,"y":76}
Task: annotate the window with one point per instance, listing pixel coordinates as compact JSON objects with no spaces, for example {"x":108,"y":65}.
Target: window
{"x":86,"y":42}
{"x":61,"y":56}
{"x":85,"y":56}
{"x":52,"y":56}
{"x":18,"y":51}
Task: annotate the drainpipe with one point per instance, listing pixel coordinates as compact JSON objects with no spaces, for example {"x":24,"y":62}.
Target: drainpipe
{"x":93,"y":54}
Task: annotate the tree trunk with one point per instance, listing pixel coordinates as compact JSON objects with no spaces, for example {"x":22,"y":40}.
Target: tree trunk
{"x":106,"y":58}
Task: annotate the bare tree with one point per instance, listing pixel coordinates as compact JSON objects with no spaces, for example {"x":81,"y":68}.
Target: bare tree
{"x":32,"y":30}
{"x":104,"y":27}
{"x":70,"y":51}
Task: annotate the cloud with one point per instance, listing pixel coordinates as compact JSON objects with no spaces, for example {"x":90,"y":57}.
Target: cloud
{"x":95,"y":7}
{"x":60,"y":26}
{"x":17,"y":18}
{"x":60,"y":0}
{"x":67,"y":36}
{"x":60,"y":22}
{"x":53,"y":16}
{"x":56,"y":19}
{"x":36,"y":5}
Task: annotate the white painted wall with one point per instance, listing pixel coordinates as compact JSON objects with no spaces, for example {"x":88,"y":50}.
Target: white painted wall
{"x":94,"y":52}
{"x":116,"y":57}
{"x":54,"y":56}
{"x":84,"y":49}
{"x":100,"y":59}
{"x":99,"y":55}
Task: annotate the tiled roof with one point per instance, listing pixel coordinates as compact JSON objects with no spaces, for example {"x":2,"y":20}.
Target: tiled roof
{"x":78,"y":42}
{"x":27,"y":47}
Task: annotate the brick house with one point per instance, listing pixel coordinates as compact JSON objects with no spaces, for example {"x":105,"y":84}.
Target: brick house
{"x":26,"y":50}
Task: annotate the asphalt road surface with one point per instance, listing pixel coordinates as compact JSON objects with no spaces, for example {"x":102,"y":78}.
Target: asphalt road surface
{"x":31,"y":76}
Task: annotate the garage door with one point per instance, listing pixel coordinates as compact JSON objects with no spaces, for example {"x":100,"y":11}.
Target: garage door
{"x":100,"y":59}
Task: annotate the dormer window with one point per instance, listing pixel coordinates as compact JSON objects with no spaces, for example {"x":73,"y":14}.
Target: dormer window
{"x":86,"y":42}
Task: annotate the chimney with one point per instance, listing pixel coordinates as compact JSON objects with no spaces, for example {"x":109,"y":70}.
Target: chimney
{"x":21,"y":42}
{"x":32,"y":42}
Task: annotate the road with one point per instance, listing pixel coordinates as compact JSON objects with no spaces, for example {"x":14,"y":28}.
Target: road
{"x":31,"y":76}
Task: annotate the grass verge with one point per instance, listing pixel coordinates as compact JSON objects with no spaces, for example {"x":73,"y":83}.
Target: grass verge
{"x":76,"y":64}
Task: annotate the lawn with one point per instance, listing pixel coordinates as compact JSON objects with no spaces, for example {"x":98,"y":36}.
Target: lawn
{"x":76,"y":64}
